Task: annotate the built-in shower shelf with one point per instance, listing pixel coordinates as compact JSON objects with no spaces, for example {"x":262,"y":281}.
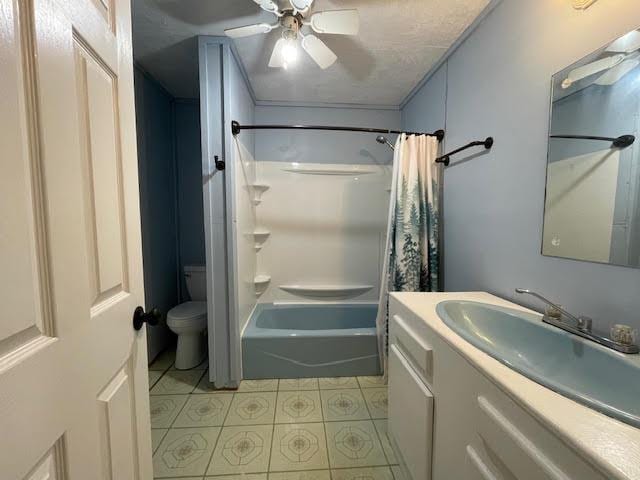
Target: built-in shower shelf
{"x":257,"y":189}
{"x":333,"y":170}
{"x":261,"y":283}
{"x":326,"y":291}
{"x":260,"y":236}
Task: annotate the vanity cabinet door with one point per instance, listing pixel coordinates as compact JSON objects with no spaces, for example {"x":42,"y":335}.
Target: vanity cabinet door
{"x":410,"y":416}
{"x":483,"y":434}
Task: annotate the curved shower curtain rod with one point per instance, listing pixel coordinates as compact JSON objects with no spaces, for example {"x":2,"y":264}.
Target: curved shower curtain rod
{"x":236,"y":128}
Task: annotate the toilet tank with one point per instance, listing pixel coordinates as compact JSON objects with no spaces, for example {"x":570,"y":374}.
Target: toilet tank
{"x":196,"y":278}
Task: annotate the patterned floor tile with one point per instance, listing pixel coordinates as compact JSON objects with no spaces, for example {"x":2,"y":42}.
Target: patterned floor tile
{"x":298,"y":407}
{"x":383,"y":435}
{"x":338,"y":382}
{"x":165,"y":409}
{"x":204,"y":411}
{"x":205,"y":386}
{"x":250,"y":476}
{"x":312,"y":475}
{"x":372,"y":473}
{"x":258,"y":386}
{"x":372,"y":382}
{"x":177,"y":381}
{"x":242,"y":450}
{"x":154,"y":376}
{"x":299,"y":446}
{"x":252,"y":409}
{"x":163,"y":361}
{"x":157,"y":434}
{"x":340,"y":405}
{"x":181,"y":478}
{"x":354,"y":444}
{"x":377,"y":401}
{"x":397,"y":473}
{"x":298,"y":384}
{"x":185,"y":452}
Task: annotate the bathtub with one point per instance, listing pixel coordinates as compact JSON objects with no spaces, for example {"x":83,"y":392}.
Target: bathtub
{"x":295,"y":341}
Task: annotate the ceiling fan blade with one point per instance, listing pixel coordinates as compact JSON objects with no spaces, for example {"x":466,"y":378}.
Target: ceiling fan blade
{"x":268,"y":5}
{"x":340,"y":22}
{"x":301,"y":5}
{"x":277,"y":57}
{"x":249,"y":30}
{"x":626,"y":44}
{"x":592,"y":68}
{"x":317,"y":50}
{"x":616,"y":73}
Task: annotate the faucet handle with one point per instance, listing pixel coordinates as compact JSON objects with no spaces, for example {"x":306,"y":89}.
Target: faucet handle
{"x":623,"y":334}
{"x":585,"y":324}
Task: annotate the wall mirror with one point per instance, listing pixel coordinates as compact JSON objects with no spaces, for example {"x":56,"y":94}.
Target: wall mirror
{"x":592,"y":203}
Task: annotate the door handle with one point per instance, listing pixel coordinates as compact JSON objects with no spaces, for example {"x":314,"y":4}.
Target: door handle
{"x":152,"y":317}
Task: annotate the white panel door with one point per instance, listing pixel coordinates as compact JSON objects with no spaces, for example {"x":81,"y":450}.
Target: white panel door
{"x":73,"y":381}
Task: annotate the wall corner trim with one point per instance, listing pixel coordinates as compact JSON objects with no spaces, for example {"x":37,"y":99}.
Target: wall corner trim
{"x":218,"y":40}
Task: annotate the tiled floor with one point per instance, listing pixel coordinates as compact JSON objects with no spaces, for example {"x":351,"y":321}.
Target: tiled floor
{"x":294,"y":429}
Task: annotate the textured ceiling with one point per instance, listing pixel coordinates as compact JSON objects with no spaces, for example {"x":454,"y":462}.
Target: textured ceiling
{"x":399,"y":41}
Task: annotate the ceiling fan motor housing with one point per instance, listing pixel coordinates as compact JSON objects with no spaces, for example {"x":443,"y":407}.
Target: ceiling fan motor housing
{"x":291,"y":24}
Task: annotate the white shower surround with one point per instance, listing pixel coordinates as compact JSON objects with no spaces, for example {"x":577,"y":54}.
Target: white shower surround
{"x":245,"y":226}
{"x":326,"y":225}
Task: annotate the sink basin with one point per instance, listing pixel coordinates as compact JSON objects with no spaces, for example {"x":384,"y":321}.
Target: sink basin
{"x":586,"y":372}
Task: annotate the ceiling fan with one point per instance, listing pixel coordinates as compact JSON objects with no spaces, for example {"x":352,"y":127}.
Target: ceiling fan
{"x":291,"y":20}
{"x":626,"y":57}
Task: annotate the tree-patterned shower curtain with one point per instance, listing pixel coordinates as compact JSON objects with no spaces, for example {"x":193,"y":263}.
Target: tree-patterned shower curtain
{"x":411,"y":257}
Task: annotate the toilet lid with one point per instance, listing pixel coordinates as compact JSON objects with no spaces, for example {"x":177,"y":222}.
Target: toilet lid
{"x":188,"y":310}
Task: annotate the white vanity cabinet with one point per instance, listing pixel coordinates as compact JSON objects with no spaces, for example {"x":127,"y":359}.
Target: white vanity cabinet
{"x":448,"y":421}
{"x":410,"y":398}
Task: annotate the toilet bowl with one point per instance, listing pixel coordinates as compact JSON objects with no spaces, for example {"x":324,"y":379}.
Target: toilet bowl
{"x":189,"y":321}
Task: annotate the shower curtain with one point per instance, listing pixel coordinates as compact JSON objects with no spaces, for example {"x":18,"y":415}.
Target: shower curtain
{"x":411,"y":256}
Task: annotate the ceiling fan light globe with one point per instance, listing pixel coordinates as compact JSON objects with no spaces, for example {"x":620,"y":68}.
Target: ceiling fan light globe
{"x":289,"y":53}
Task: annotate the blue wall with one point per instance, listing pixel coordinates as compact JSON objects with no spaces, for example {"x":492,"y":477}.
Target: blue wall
{"x":169,"y":169}
{"x":189,"y":181}
{"x":427,"y":112}
{"x":321,"y":146}
{"x":497,"y":83}
{"x":157,"y":174}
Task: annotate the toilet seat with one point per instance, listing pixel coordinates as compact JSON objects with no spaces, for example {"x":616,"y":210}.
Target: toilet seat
{"x":187,"y":312}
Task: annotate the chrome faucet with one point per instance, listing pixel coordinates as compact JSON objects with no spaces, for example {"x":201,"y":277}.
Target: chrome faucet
{"x":583,"y":325}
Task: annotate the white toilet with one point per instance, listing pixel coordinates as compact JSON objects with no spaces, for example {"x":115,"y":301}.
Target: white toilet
{"x":189,"y":320}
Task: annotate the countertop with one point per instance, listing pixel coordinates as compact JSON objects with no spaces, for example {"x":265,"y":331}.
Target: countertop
{"x":610,"y":445}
